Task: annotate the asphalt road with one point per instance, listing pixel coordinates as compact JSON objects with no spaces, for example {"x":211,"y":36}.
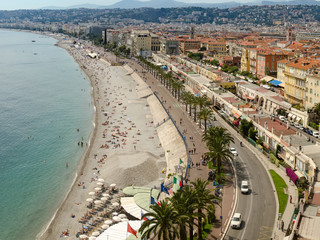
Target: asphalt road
{"x":258,"y":208}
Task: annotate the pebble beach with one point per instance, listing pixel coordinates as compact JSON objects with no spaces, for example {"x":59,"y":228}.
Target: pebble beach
{"x":124,"y":147}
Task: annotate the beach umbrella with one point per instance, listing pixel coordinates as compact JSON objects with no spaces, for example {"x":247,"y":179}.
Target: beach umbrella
{"x":104,"y":199}
{"x":105,"y":226}
{"x":113,"y":185}
{"x":122,"y":215}
{"x":92,"y":238}
{"x":106,"y":195}
{"x":97,"y":202}
{"x":115,"y":214}
{"x":83,"y":236}
{"x":92,"y":193}
{"x":124,"y":220}
{"x":116,"y":218}
{"x":89,"y":200}
{"x":101,"y":180}
{"x":95,"y":234}
{"x":99,"y":183}
{"x":115,"y":204}
{"x":108,"y":222}
{"x":97,"y":189}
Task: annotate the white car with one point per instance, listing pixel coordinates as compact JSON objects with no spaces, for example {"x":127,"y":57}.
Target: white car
{"x":236,"y":220}
{"x":244,"y":187}
{"x":315,"y":134}
{"x":234,"y":151}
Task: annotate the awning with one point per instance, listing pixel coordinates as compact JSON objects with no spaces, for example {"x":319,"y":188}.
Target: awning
{"x":245,"y":96}
{"x":275,"y":82}
{"x":293,"y":117}
{"x":235,"y":113}
{"x":299,"y":174}
{"x":250,"y":98}
{"x":291,"y":174}
{"x":290,"y":115}
{"x":298,"y":119}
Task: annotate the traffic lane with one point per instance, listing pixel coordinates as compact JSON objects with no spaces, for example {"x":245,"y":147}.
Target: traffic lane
{"x":258,"y":209}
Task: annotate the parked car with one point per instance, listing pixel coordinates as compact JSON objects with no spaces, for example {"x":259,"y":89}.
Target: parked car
{"x":282,"y":118}
{"x":234,"y":151}
{"x":236,"y":221}
{"x":316,"y":134}
{"x":309,"y":131}
{"x":301,"y":127}
{"x":244,"y":187}
{"x":296,"y":125}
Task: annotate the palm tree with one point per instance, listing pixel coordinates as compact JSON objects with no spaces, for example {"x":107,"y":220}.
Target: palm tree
{"x":162,"y":222}
{"x":218,"y":140}
{"x":186,"y":98}
{"x":203,"y":201}
{"x":203,"y":101}
{"x":205,"y":114}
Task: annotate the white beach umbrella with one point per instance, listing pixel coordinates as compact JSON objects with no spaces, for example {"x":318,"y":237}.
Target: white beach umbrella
{"x":105,"y":226}
{"x":116,"y":218}
{"x":115,"y":214}
{"x":115,"y":204}
{"x":108,"y":222}
{"x":101,"y":180}
{"x":113,"y":185}
{"x":83,"y":236}
{"x":99,"y":183}
{"x":92,"y":193}
{"x":104,"y":199}
{"x":106,"y":195}
{"x":122,"y":215}
{"x":95,"y":234}
{"x":89,"y":200}
{"x":97,"y":189}
{"x":92,"y":238}
{"x":124,"y":220}
{"x":97,"y":202}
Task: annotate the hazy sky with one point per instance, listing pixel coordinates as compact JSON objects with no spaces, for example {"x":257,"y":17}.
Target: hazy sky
{"x":33,"y":4}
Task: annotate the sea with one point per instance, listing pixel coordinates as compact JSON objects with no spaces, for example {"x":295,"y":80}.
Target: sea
{"x":45,"y":110}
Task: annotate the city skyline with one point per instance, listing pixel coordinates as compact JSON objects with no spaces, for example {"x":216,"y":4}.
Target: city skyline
{"x":36,"y":4}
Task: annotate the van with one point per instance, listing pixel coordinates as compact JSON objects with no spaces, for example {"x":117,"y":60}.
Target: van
{"x":316,"y":134}
{"x":244,"y":187}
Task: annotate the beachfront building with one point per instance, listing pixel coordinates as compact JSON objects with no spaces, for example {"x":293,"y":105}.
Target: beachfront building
{"x":295,"y":79}
{"x":112,"y":36}
{"x":169,"y":46}
{"x":140,"y":43}
{"x":155,"y":42}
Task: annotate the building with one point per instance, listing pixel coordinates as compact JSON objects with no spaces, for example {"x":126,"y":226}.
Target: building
{"x":140,"y":43}
{"x":189,"y":44}
{"x":155,"y":43}
{"x":295,"y":79}
{"x":215,"y":48}
{"x":312,"y":89}
{"x":112,"y":36}
{"x":169,"y":46}
{"x":245,"y":60}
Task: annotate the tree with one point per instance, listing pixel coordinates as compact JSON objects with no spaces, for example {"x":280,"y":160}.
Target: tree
{"x":252,"y":134}
{"x":245,"y":126}
{"x":162,"y":222}
{"x":218,"y":140}
{"x":203,"y":201}
{"x":205,"y":114}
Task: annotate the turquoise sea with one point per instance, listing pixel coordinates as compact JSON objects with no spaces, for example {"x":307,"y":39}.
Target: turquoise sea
{"x":44,"y":99}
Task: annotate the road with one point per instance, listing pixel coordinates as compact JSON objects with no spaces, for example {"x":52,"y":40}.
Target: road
{"x":258,"y":208}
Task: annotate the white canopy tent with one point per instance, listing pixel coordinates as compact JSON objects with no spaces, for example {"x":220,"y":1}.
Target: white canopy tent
{"x":119,"y":231}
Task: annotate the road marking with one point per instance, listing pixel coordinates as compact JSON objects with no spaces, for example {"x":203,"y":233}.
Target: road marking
{"x":265,"y":233}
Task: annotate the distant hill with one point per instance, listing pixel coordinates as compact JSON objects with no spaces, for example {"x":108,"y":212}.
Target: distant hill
{"x":128,"y":4}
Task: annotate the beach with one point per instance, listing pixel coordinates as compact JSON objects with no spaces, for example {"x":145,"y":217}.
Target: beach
{"x":128,"y":144}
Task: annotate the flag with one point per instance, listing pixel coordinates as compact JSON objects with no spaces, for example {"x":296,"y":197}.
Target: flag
{"x":144,"y":218}
{"x":180,"y":184}
{"x":164,"y":189}
{"x":174,"y":180}
{"x":152,"y":201}
{"x":131,"y":230}
{"x":181,"y":161}
{"x":159,"y":203}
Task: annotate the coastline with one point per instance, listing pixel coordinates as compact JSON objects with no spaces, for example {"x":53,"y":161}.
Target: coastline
{"x":61,"y":219}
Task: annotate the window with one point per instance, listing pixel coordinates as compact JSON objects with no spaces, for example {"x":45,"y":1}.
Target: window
{"x":311,"y":90}
{"x":310,"y":100}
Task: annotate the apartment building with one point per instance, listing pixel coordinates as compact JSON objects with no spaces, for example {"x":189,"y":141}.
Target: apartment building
{"x":155,"y":43}
{"x":295,"y":79}
{"x":140,"y":43}
{"x":189,"y":44}
{"x":215,"y":48}
{"x":169,"y":46}
{"x":312,"y":89}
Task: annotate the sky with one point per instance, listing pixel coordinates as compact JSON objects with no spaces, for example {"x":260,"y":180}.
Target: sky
{"x":34,"y":4}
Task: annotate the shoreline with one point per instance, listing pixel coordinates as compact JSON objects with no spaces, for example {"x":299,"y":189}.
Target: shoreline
{"x":51,"y":229}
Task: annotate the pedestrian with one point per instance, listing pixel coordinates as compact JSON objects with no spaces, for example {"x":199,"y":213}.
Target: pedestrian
{"x":194,"y":150}
{"x":282,"y":225}
{"x":290,"y":199}
{"x":134,"y":146}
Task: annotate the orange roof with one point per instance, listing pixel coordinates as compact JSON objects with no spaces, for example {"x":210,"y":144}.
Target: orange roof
{"x":304,"y":63}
